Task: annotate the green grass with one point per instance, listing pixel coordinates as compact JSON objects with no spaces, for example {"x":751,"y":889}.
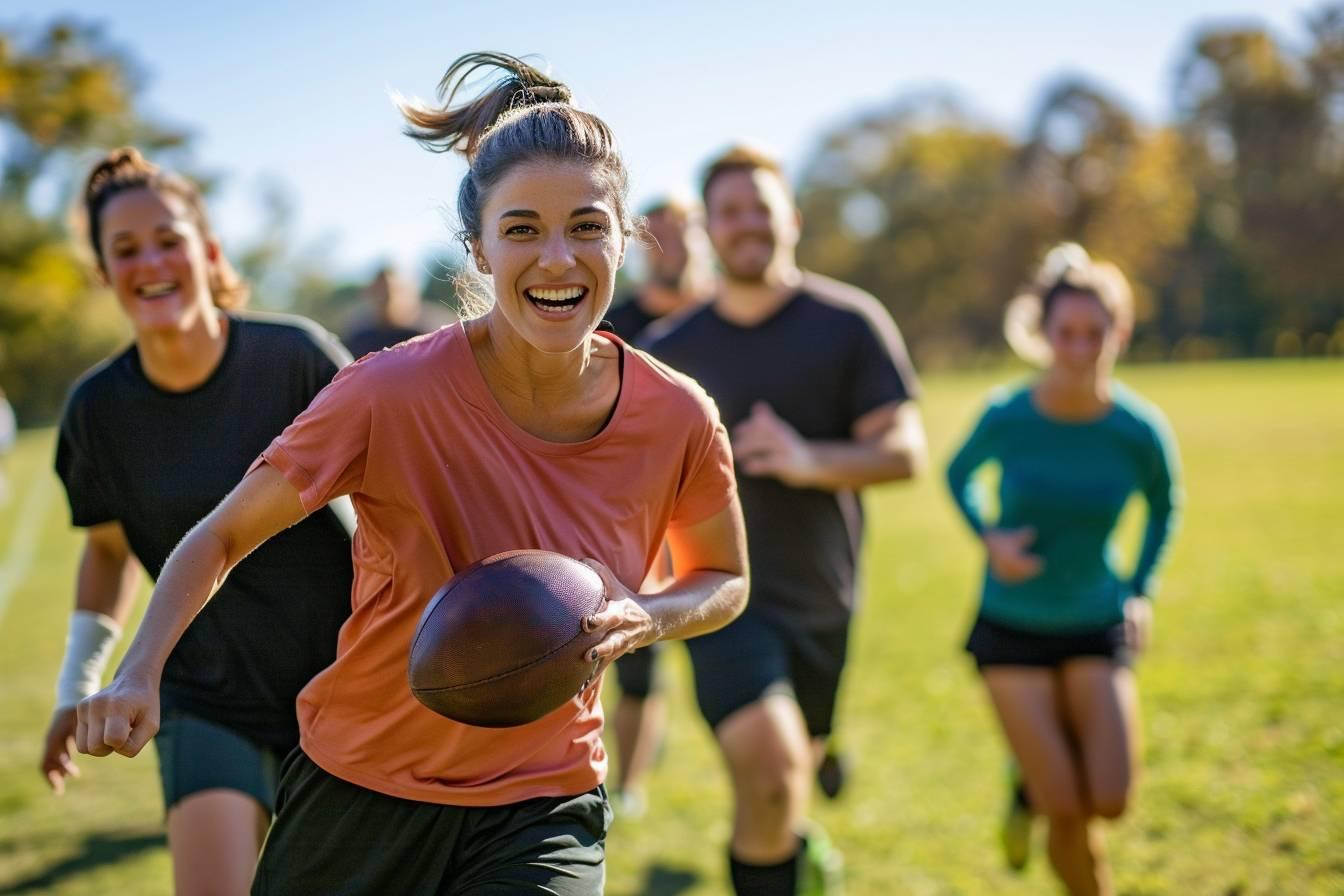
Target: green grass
{"x":1243,"y":693}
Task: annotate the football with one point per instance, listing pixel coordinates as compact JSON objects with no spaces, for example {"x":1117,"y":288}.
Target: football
{"x":502,"y":643}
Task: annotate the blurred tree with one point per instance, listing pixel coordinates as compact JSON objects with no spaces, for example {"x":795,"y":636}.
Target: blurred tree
{"x":944,"y":219}
{"x":63,"y":92}
{"x":1092,"y":173}
{"x":1266,"y":123}
{"x":914,"y":204}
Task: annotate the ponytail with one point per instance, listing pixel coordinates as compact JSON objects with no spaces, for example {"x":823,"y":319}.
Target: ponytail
{"x":523,"y":116}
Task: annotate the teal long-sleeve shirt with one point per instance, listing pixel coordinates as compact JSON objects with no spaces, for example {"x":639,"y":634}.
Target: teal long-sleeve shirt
{"x":1070,"y":481}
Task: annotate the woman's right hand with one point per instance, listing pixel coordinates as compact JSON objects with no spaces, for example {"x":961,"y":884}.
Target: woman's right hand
{"x":120,"y":718}
{"x":56,"y":762}
{"x":1009,"y":560}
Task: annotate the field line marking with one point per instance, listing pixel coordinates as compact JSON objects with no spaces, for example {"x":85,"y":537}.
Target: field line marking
{"x":18,"y":559}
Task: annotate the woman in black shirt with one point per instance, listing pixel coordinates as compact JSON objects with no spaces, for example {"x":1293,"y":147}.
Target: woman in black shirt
{"x":151,"y":440}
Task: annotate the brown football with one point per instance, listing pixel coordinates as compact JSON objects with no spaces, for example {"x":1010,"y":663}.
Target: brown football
{"x":502,"y":643}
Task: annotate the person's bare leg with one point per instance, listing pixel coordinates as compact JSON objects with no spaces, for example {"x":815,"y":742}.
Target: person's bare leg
{"x":214,"y":837}
{"x":639,"y":726}
{"x":769,"y":759}
{"x":1027,"y":702}
{"x":1101,"y":701}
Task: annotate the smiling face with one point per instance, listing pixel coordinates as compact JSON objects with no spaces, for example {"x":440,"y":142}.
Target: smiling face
{"x":552,"y":241}
{"x":1084,"y":341}
{"x":752,"y":222}
{"x":156,"y":261}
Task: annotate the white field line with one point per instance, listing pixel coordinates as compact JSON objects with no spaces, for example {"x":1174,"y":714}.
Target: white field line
{"x":18,"y":558}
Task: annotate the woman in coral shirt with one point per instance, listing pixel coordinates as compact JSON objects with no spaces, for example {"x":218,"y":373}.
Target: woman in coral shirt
{"x":524,"y":427}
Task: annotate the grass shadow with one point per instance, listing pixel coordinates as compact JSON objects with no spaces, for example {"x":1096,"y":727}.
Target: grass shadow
{"x":97,"y":850}
{"x":664,"y":881}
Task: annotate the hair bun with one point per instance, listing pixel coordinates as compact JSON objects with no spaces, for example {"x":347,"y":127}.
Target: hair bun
{"x":118,"y":164}
{"x":546,"y":93}
{"x":1060,"y":261}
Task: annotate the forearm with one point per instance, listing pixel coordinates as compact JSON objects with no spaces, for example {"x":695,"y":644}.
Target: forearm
{"x":1156,"y":541}
{"x":194,"y":571}
{"x":850,"y":465}
{"x":696,"y":604}
{"x":107,"y":583}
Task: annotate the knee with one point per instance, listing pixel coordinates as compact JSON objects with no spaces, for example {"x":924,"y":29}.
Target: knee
{"x":773,"y":776}
{"x":1110,"y":804}
{"x":772,"y":773}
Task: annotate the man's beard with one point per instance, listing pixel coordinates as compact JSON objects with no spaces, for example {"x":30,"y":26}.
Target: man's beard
{"x":755,"y":276}
{"x":744,"y":278}
{"x":673,"y":282}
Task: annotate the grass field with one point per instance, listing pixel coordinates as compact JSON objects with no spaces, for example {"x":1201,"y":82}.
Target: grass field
{"x":1243,"y":691}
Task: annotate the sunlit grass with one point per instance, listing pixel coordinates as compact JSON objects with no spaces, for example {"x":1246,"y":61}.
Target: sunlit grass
{"x":1244,"y":787}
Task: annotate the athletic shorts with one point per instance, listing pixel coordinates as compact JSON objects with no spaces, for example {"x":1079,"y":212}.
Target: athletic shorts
{"x":334,"y":837}
{"x":637,"y":672}
{"x":196,"y":754}
{"x":992,"y":644}
{"x":753,"y":657}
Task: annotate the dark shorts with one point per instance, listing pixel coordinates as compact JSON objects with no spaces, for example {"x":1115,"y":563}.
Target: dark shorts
{"x":754,"y":656}
{"x":335,"y":838}
{"x":992,"y":644}
{"x":637,"y":672}
{"x":196,"y":755}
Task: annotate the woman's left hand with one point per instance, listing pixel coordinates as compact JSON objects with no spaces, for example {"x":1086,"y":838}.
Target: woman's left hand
{"x":628,"y":626}
{"x":1138,"y":623}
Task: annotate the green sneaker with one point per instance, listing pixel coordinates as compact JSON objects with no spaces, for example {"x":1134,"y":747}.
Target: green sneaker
{"x":1015,"y":830}
{"x":823,"y":867}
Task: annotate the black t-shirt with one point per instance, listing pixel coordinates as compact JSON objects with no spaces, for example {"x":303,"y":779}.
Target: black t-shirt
{"x":376,"y":337}
{"x":827,"y":357}
{"x":159,"y":461}
{"x":628,"y":319}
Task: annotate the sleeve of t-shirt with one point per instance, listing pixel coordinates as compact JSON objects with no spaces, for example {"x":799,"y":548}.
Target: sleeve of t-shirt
{"x":323,"y":452}
{"x":1163,"y":492}
{"x":86,"y":489}
{"x":325,"y":355}
{"x":330,"y":357}
{"x":978,"y":449}
{"x":708,"y":483}
{"x":883,"y":373}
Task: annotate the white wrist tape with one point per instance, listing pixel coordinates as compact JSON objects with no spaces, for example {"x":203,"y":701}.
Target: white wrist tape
{"x":87,"y":650}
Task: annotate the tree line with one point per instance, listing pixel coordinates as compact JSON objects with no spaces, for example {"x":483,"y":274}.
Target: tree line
{"x":1227,"y":217}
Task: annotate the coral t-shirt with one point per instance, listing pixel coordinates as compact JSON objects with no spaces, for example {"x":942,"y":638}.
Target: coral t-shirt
{"x":442,"y":478}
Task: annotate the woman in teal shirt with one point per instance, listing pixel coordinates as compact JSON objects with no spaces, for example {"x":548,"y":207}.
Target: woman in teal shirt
{"x":1059,"y":621}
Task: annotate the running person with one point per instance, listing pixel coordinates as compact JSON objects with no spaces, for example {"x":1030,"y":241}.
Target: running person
{"x":676,"y":280}
{"x":150,"y":441}
{"x":813,"y":379}
{"x":499,"y":433}
{"x":1059,"y":624}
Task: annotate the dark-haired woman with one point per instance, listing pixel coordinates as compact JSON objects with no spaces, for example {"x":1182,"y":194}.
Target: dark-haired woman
{"x":1059,"y":623}
{"x":150,"y":441}
{"x":521,"y":428}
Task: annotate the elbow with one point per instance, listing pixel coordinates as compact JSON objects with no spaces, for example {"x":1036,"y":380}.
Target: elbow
{"x":916,"y":461}
{"x":741,"y":591}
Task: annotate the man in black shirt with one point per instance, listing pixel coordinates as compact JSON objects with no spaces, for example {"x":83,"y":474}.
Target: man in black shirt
{"x":396,"y":313}
{"x":678,"y":277}
{"x":815,"y":385}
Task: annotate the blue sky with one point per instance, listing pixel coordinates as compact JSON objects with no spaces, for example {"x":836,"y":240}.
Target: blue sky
{"x":298,"y":91}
